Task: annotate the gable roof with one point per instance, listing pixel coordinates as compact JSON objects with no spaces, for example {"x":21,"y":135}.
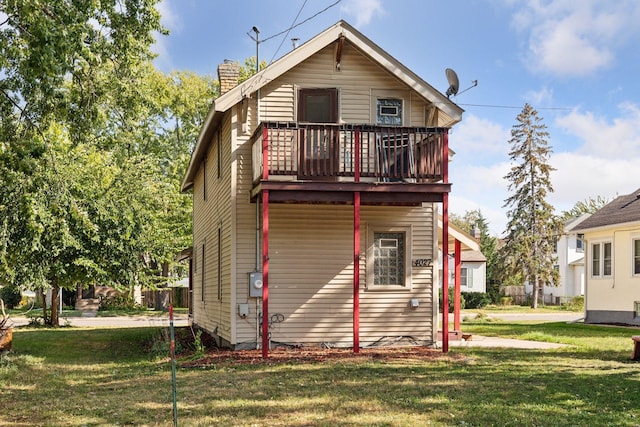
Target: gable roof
{"x":472,"y":256}
{"x":621,"y":210}
{"x":341,"y":29}
{"x":468,"y":242}
{"x":574,"y":222}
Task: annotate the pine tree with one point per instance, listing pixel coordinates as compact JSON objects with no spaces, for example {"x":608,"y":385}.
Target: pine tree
{"x":532,"y":223}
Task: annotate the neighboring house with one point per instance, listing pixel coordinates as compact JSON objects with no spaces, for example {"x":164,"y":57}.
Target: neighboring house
{"x":612,"y":236}
{"x":570,"y":264}
{"x":473,"y":272}
{"x":334,"y":156}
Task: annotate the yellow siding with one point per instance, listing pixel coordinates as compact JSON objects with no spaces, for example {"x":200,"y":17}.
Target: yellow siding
{"x":311,"y":248}
{"x":213,"y":314}
{"x":622,"y":289}
{"x":311,"y":277}
{"x":357,"y":79}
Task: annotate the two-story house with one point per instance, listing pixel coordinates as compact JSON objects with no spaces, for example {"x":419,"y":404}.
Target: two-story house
{"x":612,"y":251}
{"x":316,"y":187}
{"x":569,"y":252}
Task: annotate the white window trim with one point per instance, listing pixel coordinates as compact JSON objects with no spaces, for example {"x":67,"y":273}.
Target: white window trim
{"x":634,"y":238}
{"x":601,"y":261}
{"x":382,"y":228}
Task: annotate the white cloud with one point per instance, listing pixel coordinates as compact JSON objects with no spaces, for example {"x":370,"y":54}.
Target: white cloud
{"x":573,"y":39}
{"x":363,"y":10}
{"x":543,"y":96}
{"x":582,"y":176}
{"x":475,"y":135}
{"x":604,"y":139}
{"x":170,"y":18}
{"x":172,"y":21}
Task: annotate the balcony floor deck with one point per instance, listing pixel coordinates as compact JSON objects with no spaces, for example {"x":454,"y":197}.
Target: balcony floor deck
{"x":371,"y":193}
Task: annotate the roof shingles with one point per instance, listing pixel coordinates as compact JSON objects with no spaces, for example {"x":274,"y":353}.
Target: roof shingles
{"x":622,"y":209}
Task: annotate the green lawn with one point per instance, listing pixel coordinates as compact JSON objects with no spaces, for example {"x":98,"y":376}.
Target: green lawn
{"x":108,"y":377}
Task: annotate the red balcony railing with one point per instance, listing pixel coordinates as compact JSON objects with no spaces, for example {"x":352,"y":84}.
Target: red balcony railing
{"x":348,"y":152}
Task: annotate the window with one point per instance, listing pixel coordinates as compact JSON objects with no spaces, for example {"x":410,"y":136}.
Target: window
{"x":466,"y":277}
{"x":607,"y":259}
{"x":204,"y":178}
{"x":636,"y":309}
{"x":601,"y":259}
{"x":580,"y":242}
{"x":636,"y":256}
{"x":389,"y":112}
{"x":388,"y":262}
{"x":202,"y":275}
{"x":318,"y":105}
{"x":219,"y":263}
{"x":219,"y":154}
{"x":555,"y":245}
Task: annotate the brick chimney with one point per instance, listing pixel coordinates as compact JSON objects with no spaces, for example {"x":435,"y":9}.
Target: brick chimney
{"x":228,"y":75}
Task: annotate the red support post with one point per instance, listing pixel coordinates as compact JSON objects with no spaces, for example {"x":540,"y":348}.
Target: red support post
{"x":265,"y":152}
{"x":356,"y":156}
{"x":265,"y":273}
{"x":356,"y":272}
{"x":456,"y":288}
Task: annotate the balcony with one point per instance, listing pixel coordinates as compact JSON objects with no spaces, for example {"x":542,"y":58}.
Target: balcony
{"x":330,"y":158}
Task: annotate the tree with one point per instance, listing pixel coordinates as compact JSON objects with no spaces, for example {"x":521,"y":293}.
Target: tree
{"x":532,"y":224}
{"x":589,"y":205}
{"x":69,"y":202}
{"x":474,"y":220}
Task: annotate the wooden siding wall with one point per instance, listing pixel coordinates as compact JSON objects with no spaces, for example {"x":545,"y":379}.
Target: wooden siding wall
{"x":311,"y":276}
{"x":357,"y":79}
{"x":213,"y":314}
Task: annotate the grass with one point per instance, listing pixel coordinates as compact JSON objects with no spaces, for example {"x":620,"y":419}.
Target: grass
{"x":108,"y":377}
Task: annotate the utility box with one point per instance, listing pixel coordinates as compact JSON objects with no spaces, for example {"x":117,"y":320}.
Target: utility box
{"x":243,"y":310}
{"x":255,"y":284}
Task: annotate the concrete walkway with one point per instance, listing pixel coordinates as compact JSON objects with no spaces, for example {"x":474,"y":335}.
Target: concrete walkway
{"x":113,"y":322}
{"x":495,"y":342}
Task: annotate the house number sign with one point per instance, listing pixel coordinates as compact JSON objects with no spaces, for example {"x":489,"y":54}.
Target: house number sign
{"x":422,"y":262}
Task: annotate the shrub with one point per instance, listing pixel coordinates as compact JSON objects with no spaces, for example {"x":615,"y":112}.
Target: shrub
{"x":451,"y":292}
{"x":11,"y":296}
{"x":476,"y":299}
{"x":118,"y":302}
{"x":506,"y":300}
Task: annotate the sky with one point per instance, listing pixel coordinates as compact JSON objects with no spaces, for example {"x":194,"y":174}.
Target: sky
{"x":577,"y":62}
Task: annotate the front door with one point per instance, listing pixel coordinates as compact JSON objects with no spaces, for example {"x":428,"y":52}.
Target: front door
{"x":318,"y":144}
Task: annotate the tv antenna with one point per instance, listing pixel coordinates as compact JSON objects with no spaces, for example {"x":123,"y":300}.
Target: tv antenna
{"x":454,"y":83}
{"x":257,"y":40}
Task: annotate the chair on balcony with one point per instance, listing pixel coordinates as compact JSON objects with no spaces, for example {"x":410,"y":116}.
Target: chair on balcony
{"x":396,"y":157}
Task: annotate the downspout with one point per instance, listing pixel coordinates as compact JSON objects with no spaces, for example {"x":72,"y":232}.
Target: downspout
{"x":258,"y":268}
{"x":445,"y":246}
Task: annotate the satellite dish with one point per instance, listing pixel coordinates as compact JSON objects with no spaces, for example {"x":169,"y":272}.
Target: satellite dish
{"x":454,"y":83}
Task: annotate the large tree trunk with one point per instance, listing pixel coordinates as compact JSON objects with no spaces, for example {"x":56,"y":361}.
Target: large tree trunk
{"x":44,"y":308}
{"x":55,"y":301}
{"x":536,"y":291}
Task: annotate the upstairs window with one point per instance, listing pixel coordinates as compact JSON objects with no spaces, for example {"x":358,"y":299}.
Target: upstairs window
{"x":318,"y":105}
{"x":580,"y":242}
{"x":389,"y":112}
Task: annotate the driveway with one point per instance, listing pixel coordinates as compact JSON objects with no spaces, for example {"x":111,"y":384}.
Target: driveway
{"x":114,"y":322}
{"x":560,"y":316}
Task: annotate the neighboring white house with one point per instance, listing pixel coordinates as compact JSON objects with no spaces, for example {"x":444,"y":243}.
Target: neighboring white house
{"x":473,"y":272}
{"x":570,"y":265}
{"x":612,"y":250}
